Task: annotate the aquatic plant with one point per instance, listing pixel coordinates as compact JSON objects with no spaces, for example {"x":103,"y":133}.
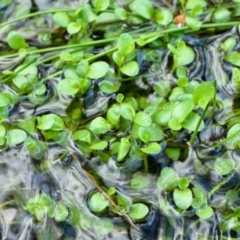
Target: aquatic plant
{"x":117,"y":53}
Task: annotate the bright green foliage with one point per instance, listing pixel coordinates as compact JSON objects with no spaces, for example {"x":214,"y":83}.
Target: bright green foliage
{"x":5,"y":99}
{"x":60,"y":212}
{"x":191,"y":4}
{"x":124,"y":147}
{"x":228,"y":44}
{"x":233,"y":58}
{"x":68,"y":86}
{"x":138,"y":211}
{"x":221,"y":15}
{"x":205,"y":213}
{"x":99,"y":146}
{"x":40,"y":206}
{"x":100,"y":5}
{"x":163,"y":16}
{"x":108,"y":87}
{"x":193,"y":23}
{"x":224,"y":166}
{"x":61,"y":19}
{"x":142,"y":119}
{"x":124,"y":202}
{"x":37,"y":149}
{"x":99,"y":126}
{"x":125,"y":44}
{"x":121,"y":13}
{"x":203,"y":99}
{"x":97,"y":70}
{"x":139,"y":181}
{"x":182,"y":198}
{"x":50,"y":122}
{"x":98,"y":203}
{"x":73,"y":28}
{"x":182,"y":55}
{"x":15,"y":136}
{"x":130,"y":69}
{"x":143,"y":8}
{"x":15,"y":40}
{"x":2,"y":135}
{"x":236,"y":78}
{"x":111,"y":191}
{"x":173,"y":153}
{"x":183,"y":183}
{"x":152,"y":148}
{"x":168,"y":179}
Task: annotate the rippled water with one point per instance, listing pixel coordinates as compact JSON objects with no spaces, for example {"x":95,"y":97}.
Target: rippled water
{"x":22,"y":178}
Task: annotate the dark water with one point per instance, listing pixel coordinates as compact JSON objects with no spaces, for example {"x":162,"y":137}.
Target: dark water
{"x":21,"y":177}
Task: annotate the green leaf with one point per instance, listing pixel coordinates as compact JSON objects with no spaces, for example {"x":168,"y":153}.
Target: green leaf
{"x":221,"y":15}
{"x":173,"y":153}
{"x":125,"y":44}
{"x":182,"y":198}
{"x":73,"y":27}
{"x":111,"y":191}
{"x":143,"y":8}
{"x":50,"y":122}
{"x":82,"y":135}
{"x":130,"y":69}
{"x":174,"y":124}
{"x":118,"y":58}
{"x":236,"y":78}
{"x":113,"y":115}
{"x":168,"y":179}
{"x":60,"y":213}
{"x":99,"y":146}
{"x":99,"y":125}
{"x":224,"y":166}
{"x":234,"y":134}
{"x":228,"y":44}
{"x":182,"y":110}
{"x":163,"y":16}
{"x":233,"y":58}
{"x":61,"y":19}
{"x":193,"y":3}
{"x":124,"y":147}
{"x":139,"y":181}
{"x":108,"y":86}
{"x":127,"y":111}
{"x":182,"y":81}
{"x":152,"y":148}
{"x":15,"y":40}
{"x":138,"y":211}
{"x":162,"y":88}
{"x":150,"y":133}
{"x":183,"y":183}
{"x":193,"y":23}
{"x":142,"y":119}
{"x":97,"y":70}
{"x":203,"y":99}
{"x":15,"y":136}
{"x":121,"y":13}
{"x":183,"y":55}
{"x":36,"y":148}
{"x":98,"y":203}
{"x":205,"y":213}
{"x":5,"y":99}
{"x":191,"y":122}
{"x":20,"y":81}
{"x":81,"y":70}
{"x":124,"y":202}
{"x":68,"y":86}
{"x":100,"y":5}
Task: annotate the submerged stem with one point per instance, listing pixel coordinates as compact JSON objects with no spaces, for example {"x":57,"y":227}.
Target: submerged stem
{"x":128,"y":218}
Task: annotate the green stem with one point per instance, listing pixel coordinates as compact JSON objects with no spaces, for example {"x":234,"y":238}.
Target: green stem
{"x":6,"y":203}
{"x":198,"y":124}
{"x":225,"y":140}
{"x":35,"y":14}
{"x":145,"y":163}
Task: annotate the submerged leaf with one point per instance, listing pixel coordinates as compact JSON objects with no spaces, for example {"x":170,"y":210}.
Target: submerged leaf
{"x":224,"y":166}
{"x":168,"y":179}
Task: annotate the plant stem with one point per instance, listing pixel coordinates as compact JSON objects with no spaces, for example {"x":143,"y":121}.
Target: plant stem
{"x":198,"y":125}
{"x":128,"y":218}
{"x":145,"y":163}
{"x":35,"y":14}
{"x":225,"y":140}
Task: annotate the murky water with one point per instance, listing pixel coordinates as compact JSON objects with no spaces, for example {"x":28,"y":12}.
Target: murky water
{"x":21,"y":177}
